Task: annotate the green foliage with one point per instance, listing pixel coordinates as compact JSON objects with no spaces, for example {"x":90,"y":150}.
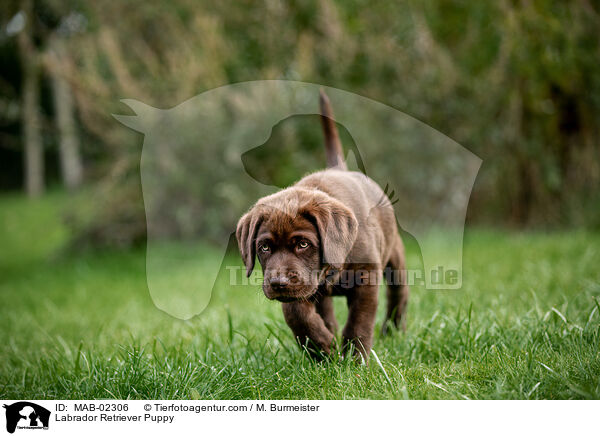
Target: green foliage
{"x":525,"y":325}
{"x":30,"y":231}
{"x":517,"y":83}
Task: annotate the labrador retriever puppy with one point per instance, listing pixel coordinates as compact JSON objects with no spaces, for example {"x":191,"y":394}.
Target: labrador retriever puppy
{"x":333,"y":233}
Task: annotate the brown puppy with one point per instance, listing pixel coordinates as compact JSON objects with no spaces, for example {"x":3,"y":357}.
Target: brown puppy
{"x":332,"y":233}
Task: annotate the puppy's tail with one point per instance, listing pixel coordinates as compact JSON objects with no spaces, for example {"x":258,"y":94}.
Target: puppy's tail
{"x":333,"y":146}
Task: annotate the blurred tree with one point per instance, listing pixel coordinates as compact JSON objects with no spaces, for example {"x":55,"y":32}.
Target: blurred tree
{"x":30,"y":116}
{"x":70,"y":157}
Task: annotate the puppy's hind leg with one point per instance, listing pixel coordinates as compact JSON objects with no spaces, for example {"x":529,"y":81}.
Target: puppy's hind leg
{"x":397,"y":288}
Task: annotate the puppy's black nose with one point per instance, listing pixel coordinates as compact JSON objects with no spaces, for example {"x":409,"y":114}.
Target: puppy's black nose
{"x":279,"y":282}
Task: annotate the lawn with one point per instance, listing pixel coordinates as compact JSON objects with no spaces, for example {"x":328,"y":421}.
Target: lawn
{"x":526,"y":324}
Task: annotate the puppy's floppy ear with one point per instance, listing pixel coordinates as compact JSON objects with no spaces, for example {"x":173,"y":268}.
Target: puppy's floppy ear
{"x":337,"y":227}
{"x":245,"y":233}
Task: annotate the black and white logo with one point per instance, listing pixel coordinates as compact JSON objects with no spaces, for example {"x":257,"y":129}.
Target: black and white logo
{"x":26,"y":415}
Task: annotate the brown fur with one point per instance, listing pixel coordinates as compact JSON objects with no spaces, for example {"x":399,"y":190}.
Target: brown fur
{"x":309,"y":238}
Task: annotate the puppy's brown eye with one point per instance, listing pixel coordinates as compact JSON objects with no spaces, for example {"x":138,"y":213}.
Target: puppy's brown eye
{"x":303,"y":244}
{"x":264,"y":248}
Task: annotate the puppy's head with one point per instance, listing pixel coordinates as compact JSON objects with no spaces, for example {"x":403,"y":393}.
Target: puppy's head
{"x":295,"y":233}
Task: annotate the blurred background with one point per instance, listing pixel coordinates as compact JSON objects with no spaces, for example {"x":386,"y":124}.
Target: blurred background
{"x":515,"y":82}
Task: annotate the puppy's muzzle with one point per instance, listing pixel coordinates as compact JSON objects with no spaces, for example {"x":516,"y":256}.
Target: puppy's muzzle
{"x":279,"y":283}
{"x":286,"y":288}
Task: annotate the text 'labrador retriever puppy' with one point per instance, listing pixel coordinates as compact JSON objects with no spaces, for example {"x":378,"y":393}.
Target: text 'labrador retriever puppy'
{"x":333,"y":233}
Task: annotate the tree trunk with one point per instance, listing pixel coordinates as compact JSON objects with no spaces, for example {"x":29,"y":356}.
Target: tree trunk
{"x":70,"y":158}
{"x":30,"y":115}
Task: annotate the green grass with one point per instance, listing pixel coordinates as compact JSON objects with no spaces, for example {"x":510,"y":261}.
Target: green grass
{"x":525,"y":325}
